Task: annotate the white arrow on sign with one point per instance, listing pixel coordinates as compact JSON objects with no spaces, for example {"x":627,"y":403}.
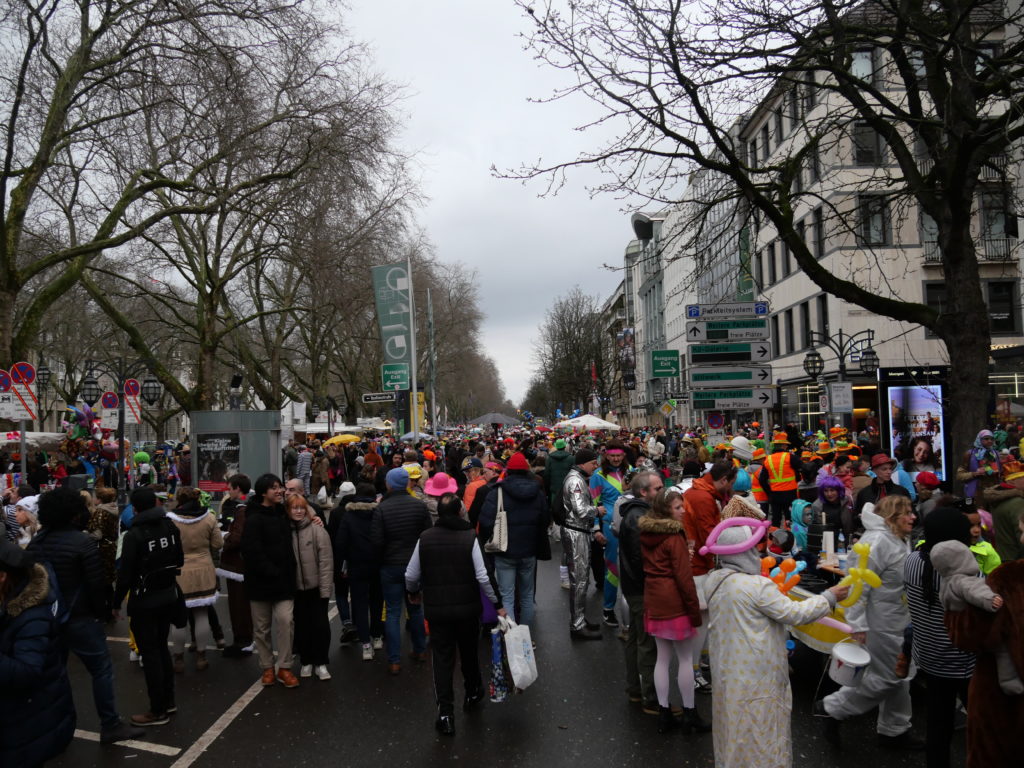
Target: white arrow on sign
{"x":748,"y":329}
{"x":734,"y":399}
{"x":715,"y":377}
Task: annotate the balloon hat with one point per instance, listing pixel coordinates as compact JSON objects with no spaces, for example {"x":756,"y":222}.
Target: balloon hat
{"x":759,"y":528}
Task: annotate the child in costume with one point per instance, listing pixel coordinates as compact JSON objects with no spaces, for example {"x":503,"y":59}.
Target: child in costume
{"x":961,"y":587}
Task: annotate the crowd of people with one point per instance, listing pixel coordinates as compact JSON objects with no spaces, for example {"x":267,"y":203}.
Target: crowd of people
{"x":673,"y":532}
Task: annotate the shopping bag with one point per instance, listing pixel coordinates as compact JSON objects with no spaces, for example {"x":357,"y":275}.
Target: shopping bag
{"x":522,"y":664}
{"x":498,"y":686}
{"x":499,"y":536}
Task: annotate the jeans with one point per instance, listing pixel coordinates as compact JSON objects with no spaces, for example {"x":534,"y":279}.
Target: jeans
{"x":511,"y":573}
{"x":392,"y":584}
{"x":86,"y":639}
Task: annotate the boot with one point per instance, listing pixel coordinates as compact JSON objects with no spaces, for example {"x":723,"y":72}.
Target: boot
{"x":693,"y":723}
{"x":201,"y":662}
{"x":178,"y":660}
{"x":666,"y":720}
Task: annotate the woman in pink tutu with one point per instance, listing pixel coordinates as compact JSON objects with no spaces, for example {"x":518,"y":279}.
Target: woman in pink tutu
{"x":671,"y":607}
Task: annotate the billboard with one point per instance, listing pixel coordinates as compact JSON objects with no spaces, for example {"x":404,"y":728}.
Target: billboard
{"x":913,"y":417}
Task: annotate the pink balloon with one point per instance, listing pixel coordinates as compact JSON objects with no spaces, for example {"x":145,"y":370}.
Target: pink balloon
{"x":760,"y":527}
{"x":828,"y":621}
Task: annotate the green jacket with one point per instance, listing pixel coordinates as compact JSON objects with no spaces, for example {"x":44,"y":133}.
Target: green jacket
{"x":555,"y":471}
{"x":1006,"y":517}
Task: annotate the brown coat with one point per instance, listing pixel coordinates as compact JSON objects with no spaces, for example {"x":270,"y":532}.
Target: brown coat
{"x":992,"y":714}
{"x":200,"y":537}
{"x":669,"y":591}
{"x":314,"y":557}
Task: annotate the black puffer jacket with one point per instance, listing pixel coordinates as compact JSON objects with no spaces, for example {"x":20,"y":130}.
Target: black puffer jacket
{"x":631,"y":558}
{"x":75,"y":558}
{"x":352,"y":542}
{"x":267,"y":551}
{"x":37,"y":714}
{"x":526,"y":508}
{"x":151,"y":557}
{"x":397,"y":524}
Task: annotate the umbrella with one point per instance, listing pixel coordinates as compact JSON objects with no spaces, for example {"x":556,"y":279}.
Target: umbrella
{"x":542,"y":428}
{"x":421,"y":436}
{"x":587,"y":422}
{"x":341,"y":439}
{"x":494,"y":418}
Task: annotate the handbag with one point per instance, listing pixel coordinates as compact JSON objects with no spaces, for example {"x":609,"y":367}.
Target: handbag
{"x":522,"y":664}
{"x":497,"y":687}
{"x":499,"y":535}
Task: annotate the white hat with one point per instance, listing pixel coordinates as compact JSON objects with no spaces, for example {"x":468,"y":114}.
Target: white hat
{"x":29,"y":504}
{"x":346,"y":489}
{"x":742,"y":449}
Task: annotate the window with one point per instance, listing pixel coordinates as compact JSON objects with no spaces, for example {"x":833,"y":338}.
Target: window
{"x":929,"y":232}
{"x":784,"y":255}
{"x":810,"y":91}
{"x":790,"y":346}
{"x":753,"y":152}
{"x":986,"y":53}
{"x":772,"y":274}
{"x":867,"y":145}
{"x":862,"y":65}
{"x":759,"y":269}
{"x":765,"y":142}
{"x":813,"y":166}
{"x":1003,"y":304}
{"x":916,"y":59}
{"x":793,"y":106}
{"x":776,"y":340}
{"x":779,"y":130}
{"x":805,"y":325}
{"x":874,"y":220}
{"x":801,"y":230}
{"x":993,"y":214}
{"x":819,"y":233}
{"x":823,"y":315}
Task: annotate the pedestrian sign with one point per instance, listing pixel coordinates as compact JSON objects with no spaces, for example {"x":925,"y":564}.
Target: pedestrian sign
{"x":394,"y":376}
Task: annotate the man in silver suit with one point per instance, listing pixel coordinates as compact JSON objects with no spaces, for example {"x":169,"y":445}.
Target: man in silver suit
{"x":577,"y":531}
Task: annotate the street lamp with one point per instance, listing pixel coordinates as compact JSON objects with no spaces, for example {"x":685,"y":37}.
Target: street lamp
{"x":843,"y":345}
{"x":90,"y":390}
{"x":151,"y":390}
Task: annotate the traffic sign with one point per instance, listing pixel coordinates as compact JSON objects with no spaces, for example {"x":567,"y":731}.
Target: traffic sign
{"x":109,"y":410}
{"x":664,"y":363}
{"x":753,"y":352}
{"x":132,"y":408}
{"x":394,"y":376}
{"x":667,"y":408}
{"x":132,"y":388}
{"x":5,"y":381}
{"x":379,"y":397}
{"x":727,"y":310}
{"x":753,"y":329}
{"x":109,"y":400}
{"x":733,"y":399}
{"x":728,"y":376}
{"x":23,"y":375}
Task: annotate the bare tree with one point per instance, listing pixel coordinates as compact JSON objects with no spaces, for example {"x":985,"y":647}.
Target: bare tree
{"x":939,"y":82}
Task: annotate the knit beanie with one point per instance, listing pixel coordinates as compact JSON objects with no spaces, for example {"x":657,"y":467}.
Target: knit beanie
{"x":397,"y":479}
{"x":583,"y":455}
{"x":518,"y":462}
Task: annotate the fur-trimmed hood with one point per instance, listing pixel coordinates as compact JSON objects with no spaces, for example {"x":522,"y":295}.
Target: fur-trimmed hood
{"x":35,"y":592}
{"x":659,"y":525}
{"x":742,"y":506}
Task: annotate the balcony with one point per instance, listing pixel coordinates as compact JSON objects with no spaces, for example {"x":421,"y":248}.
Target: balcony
{"x":990,"y":249}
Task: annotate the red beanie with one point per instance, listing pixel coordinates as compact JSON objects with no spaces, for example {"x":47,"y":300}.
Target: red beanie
{"x":518,"y":461}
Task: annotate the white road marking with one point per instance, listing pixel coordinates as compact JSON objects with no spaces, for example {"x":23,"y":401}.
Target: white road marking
{"x":145,"y":746}
{"x":221,"y":724}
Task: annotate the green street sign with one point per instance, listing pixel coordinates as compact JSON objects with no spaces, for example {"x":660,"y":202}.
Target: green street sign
{"x":727,"y":376}
{"x":664,"y":363}
{"x":394,"y":376}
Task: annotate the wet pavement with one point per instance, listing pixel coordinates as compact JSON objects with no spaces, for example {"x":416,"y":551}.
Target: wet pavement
{"x":577,"y":713}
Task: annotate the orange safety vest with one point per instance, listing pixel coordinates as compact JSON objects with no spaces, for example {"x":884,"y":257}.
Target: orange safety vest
{"x":781,"y":472}
{"x":760,"y":496}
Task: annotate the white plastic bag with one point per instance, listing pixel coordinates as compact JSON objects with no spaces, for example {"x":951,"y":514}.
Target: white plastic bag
{"x":522,"y":664}
{"x":321,"y":495}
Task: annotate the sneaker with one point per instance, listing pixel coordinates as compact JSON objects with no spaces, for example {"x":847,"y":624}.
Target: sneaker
{"x":565,"y":584}
{"x":610,"y":620}
{"x":172,"y":709}
{"x":445,"y":724}
{"x":367,"y":652}
{"x":150,"y":718}
{"x":585,"y":634}
{"x":133,"y":656}
{"x":306,"y":670}
{"x":472,"y":699}
{"x":905,"y":741}
{"x":268,"y":676}
{"x":321,"y":672}
{"x":250,"y":647}
{"x":287,"y":679}
{"x":120,"y":732}
{"x":378,"y":643}
{"x":701,"y":683}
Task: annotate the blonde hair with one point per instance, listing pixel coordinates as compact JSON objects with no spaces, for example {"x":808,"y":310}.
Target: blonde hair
{"x":90,"y":502}
{"x":891,"y":508}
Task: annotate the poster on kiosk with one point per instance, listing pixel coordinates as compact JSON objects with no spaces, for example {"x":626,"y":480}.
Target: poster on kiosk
{"x":913,"y":424}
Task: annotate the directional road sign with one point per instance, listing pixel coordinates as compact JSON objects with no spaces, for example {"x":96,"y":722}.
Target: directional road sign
{"x":729,"y":376}
{"x":379,"y":397}
{"x":753,"y":352}
{"x":753,"y":329}
{"x":664,"y":363}
{"x":394,"y":376}
{"x":733,"y":399}
{"x":727,"y":310}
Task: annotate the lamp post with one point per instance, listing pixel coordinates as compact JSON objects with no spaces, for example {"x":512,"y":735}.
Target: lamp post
{"x":90,"y":392}
{"x":843,"y":345}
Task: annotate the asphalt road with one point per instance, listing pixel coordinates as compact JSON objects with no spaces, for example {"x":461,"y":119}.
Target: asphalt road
{"x":576,"y":713}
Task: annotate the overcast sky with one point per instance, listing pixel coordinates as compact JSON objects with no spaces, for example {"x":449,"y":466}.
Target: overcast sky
{"x":468,"y":80}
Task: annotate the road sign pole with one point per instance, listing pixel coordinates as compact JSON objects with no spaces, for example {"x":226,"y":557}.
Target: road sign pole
{"x":23,"y":448}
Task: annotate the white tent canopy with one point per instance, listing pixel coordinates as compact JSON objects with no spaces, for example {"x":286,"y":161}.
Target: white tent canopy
{"x":586,"y":423}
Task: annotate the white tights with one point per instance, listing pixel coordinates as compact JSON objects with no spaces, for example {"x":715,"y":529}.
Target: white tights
{"x":180,"y":636}
{"x":684,"y":679}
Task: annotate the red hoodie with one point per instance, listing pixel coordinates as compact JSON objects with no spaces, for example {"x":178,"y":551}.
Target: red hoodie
{"x":703,"y":511}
